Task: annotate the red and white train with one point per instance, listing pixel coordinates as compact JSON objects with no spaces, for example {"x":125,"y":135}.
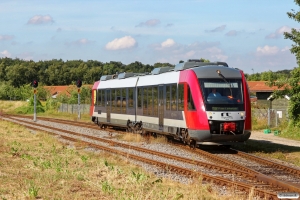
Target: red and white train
{"x":177,"y":102}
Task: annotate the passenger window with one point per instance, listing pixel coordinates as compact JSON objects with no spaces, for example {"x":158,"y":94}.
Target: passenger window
{"x":168,"y":97}
{"x":155,"y":101}
{"x":140,"y":97}
{"x":145,"y":97}
{"x":180,"y":96}
{"x":124,"y":100}
{"x":174,"y":97}
{"x":130,"y":97}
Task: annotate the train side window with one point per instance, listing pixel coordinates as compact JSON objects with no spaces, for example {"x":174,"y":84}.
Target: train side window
{"x":102,"y":98}
{"x":168,"y":97}
{"x":145,"y":98}
{"x":124,"y":100}
{"x":191,"y":105}
{"x":98,"y":98}
{"x":113,"y":100}
{"x":118,"y":100}
{"x":174,"y":97}
{"x":130,"y":97}
{"x":180,"y":96}
{"x":140,"y":97}
{"x":155,"y":101}
{"x":150,"y":101}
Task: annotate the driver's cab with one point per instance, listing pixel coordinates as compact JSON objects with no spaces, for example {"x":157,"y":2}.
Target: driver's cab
{"x":217,"y":91}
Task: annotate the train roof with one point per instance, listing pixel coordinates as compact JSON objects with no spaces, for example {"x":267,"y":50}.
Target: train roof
{"x":168,"y":74}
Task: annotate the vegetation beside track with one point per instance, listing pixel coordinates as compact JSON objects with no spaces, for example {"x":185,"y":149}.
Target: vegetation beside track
{"x":35,"y":165}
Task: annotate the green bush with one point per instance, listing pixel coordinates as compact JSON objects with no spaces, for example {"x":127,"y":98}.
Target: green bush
{"x":29,"y":109}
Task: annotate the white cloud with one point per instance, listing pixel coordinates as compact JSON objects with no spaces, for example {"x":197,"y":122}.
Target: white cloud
{"x":285,"y":49}
{"x":82,"y":41}
{"x":5,"y":53}
{"x":232,"y":33}
{"x":279,"y":32}
{"x":121,"y":43}
{"x":6,"y":37}
{"x":40,"y":19}
{"x":218,"y":29}
{"x":196,"y":50}
{"x":267,"y":50}
{"x":149,"y":23}
{"x":168,"y":43}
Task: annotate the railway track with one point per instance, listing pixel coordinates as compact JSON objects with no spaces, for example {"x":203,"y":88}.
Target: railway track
{"x":245,"y":179}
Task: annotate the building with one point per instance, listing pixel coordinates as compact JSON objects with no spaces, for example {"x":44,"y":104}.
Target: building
{"x":264,"y":93}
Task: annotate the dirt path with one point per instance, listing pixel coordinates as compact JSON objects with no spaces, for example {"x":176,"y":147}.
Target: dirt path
{"x":261,"y":136}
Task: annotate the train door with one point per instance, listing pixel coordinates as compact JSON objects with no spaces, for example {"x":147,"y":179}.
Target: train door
{"x":108,"y":105}
{"x":161,"y":107}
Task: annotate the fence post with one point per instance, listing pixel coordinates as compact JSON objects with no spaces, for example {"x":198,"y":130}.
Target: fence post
{"x":276,"y":118}
{"x":269,"y":117}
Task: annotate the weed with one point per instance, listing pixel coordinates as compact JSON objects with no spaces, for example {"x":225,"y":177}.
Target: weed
{"x":33,"y":190}
{"x":111,"y":167}
{"x":84,"y":159}
{"x":46,"y":164}
{"x":106,"y":187}
{"x":138,"y":176}
{"x":80,"y":177}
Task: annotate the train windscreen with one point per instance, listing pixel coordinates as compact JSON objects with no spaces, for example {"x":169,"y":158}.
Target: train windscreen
{"x":220,"y":95}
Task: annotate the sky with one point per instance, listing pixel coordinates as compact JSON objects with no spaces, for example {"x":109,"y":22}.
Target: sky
{"x":246,"y":34}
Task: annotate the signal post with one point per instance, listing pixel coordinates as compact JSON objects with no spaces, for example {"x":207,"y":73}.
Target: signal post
{"x":78,"y":84}
{"x":35,"y":84}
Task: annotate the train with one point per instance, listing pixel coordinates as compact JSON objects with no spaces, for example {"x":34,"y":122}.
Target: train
{"x":177,"y":102}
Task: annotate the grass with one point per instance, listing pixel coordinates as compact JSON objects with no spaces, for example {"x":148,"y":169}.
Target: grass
{"x":35,"y":165}
{"x":281,"y":152}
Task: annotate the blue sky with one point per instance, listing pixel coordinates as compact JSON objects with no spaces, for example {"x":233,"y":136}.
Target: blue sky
{"x":245,"y":34}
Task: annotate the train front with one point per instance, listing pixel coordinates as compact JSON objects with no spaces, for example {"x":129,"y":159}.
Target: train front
{"x":226,"y":105}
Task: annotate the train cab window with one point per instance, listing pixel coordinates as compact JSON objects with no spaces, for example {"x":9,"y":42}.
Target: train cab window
{"x":140,"y":97}
{"x":124,"y":100}
{"x":230,"y":94}
{"x":180,"y":96}
{"x":145,"y":103}
{"x":191,"y":105}
{"x":168,"y":97}
{"x":174,"y":97}
{"x":130,"y":97}
{"x":155,"y":101}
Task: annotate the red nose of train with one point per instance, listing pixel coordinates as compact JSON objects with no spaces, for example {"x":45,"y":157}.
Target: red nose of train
{"x":229,"y":126}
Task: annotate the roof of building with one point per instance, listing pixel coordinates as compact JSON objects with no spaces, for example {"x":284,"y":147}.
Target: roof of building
{"x":260,"y":86}
{"x":62,"y":89}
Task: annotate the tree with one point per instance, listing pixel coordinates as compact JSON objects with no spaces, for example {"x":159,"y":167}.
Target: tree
{"x":291,"y":86}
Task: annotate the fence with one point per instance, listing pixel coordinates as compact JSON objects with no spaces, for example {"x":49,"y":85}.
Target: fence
{"x":273,"y":117}
{"x":73,"y":108}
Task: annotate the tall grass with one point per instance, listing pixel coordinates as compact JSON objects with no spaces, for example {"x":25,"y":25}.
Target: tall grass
{"x":35,"y":165}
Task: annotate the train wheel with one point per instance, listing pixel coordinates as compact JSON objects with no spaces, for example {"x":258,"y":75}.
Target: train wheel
{"x":186,"y":137}
{"x":193,"y":144}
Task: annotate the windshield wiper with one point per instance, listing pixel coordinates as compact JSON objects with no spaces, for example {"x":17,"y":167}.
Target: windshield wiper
{"x":223,"y":77}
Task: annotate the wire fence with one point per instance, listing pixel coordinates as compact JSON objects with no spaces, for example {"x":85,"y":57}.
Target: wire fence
{"x":273,"y":117}
{"x":73,"y":108}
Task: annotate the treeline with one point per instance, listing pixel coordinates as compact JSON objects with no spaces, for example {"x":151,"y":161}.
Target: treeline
{"x":269,"y":75}
{"x":18,"y":72}
{"x":17,"y":75}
